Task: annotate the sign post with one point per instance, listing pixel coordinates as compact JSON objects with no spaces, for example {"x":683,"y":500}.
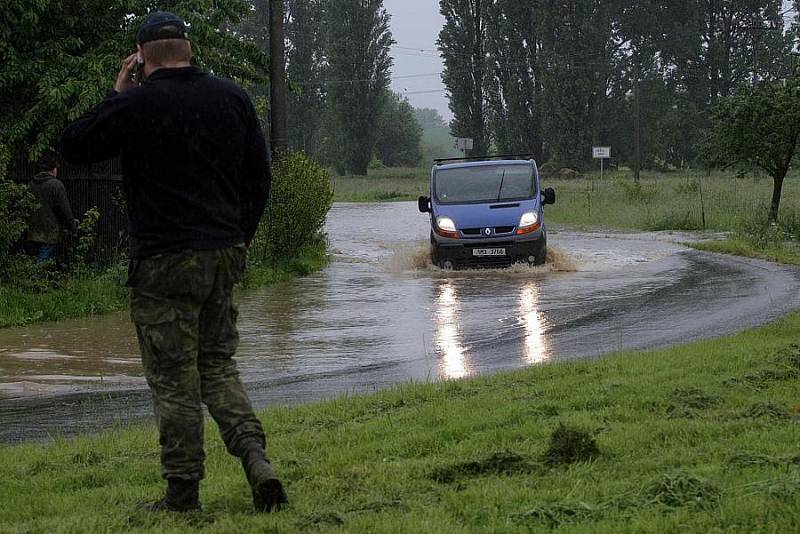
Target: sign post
{"x":602,"y":153}
{"x":464,"y":143}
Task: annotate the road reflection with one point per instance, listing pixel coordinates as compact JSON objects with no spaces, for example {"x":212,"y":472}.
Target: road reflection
{"x":535,"y":347}
{"x":447,"y":337}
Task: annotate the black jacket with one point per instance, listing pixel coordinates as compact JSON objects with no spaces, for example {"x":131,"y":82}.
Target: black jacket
{"x":196,"y":169}
{"x":53,"y":217}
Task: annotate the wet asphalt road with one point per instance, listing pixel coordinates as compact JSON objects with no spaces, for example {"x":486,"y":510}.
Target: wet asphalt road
{"x":381,"y":315}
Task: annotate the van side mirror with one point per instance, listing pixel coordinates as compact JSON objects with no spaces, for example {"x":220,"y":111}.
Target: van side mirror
{"x":549,"y":196}
{"x":424,"y":204}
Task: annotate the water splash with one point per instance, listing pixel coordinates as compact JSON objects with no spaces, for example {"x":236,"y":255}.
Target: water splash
{"x":417,"y":258}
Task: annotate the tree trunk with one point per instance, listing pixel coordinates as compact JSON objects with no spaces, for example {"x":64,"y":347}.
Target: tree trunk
{"x":479,"y":61}
{"x":279,"y":93}
{"x":777,"y":187}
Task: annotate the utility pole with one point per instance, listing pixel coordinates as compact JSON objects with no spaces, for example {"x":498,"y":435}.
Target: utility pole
{"x":637,"y":132}
{"x":279,"y":91}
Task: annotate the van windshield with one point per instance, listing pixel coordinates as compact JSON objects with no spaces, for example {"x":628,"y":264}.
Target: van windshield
{"x":473,"y":185}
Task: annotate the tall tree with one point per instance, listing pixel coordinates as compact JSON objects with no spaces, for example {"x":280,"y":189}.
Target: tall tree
{"x":358,"y":44}
{"x":758,"y":126}
{"x":305,"y":53}
{"x":514,"y":89}
{"x":462,"y":43}
{"x":399,"y":134}
{"x":580,"y":60}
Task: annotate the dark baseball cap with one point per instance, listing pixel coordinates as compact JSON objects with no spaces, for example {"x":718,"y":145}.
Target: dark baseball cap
{"x":162,"y":25}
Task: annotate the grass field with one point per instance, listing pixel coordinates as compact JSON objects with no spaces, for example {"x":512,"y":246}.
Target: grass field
{"x":662,"y":201}
{"x":673,"y":201}
{"x":382,"y":185}
{"x":696,"y":438}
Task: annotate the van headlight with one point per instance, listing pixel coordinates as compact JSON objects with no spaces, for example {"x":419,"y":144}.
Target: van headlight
{"x":529,"y":222}
{"x":446,"y":224}
{"x":445,"y":227}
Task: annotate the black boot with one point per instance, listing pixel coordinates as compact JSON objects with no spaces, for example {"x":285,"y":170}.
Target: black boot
{"x":182,"y":496}
{"x":268,"y":494}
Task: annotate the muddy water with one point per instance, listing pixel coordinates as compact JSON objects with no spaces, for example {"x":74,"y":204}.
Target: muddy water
{"x":381,"y":314}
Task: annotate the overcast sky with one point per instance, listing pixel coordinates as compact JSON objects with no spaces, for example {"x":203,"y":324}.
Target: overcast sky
{"x":415,"y":26}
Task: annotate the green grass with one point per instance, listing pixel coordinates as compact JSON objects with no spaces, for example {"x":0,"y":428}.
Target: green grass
{"x":699,"y":438}
{"x":90,"y":295}
{"x":382,"y":185}
{"x":663,"y":201}
{"x":669,"y":201}
{"x":80,"y":296}
{"x":785,"y":253}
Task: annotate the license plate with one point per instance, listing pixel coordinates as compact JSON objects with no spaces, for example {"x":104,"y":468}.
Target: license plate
{"x":488,"y":252}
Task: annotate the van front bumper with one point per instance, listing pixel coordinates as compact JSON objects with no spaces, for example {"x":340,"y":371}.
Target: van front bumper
{"x":462,"y":251}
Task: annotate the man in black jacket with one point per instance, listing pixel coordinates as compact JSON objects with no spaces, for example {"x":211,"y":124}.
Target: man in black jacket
{"x":53,"y":218}
{"x":196,"y":178}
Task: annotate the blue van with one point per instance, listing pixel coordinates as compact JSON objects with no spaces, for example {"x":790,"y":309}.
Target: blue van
{"x":486,"y":213}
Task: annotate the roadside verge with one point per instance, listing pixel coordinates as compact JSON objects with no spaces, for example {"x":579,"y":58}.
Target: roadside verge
{"x":692,"y":438}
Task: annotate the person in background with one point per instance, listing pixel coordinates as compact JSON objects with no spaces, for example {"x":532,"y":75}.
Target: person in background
{"x":196,"y":177}
{"x":52,"y":220}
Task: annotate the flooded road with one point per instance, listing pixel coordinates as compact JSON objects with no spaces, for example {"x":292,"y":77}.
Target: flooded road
{"x":380,"y":314}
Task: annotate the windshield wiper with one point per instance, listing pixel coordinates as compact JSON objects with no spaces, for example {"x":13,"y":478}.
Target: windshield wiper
{"x":503,"y":179}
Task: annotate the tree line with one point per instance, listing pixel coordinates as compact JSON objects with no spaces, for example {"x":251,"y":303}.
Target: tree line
{"x":556,"y":77}
{"x":338,"y":62}
{"x":54,"y":66}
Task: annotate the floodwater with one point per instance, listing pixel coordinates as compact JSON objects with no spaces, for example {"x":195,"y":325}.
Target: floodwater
{"x":380,"y":314}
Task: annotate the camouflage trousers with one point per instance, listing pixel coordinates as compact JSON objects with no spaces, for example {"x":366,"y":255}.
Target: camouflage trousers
{"x":182,"y":306}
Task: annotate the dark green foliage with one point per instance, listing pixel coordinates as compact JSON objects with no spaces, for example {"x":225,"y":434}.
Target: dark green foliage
{"x":305,"y":36}
{"x":15,"y":205}
{"x":758,"y":127}
{"x":462,"y":43}
{"x":399,"y":134}
{"x":557,"y":77}
{"x":60,"y":57}
{"x":299,"y":201}
{"x":361,"y":64}
{"x":513,"y":94}
{"x":570,"y":445}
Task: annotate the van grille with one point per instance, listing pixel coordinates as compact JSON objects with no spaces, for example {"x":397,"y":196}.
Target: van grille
{"x":478,"y":232}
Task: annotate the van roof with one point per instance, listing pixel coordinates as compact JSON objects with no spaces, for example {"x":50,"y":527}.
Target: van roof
{"x":489,"y":163}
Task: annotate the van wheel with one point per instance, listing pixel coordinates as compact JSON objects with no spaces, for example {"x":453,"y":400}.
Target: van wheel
{"x":539,"y":253}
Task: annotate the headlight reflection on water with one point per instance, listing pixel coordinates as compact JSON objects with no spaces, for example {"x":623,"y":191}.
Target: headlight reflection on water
{"x":448,"y":334}
{"x":535,"y":348}
{"x":454,"y":356}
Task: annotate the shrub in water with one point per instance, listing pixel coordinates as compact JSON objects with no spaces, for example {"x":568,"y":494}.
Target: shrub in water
{"x":300,"y":198}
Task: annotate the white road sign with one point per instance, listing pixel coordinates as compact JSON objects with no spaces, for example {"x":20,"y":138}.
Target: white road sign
{"x":601,"y":152}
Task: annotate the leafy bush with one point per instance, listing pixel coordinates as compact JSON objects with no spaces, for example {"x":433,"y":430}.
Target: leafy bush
{"x":757,"y":229}
{"x":16,"y":203}
{"x":637,"y":191}
{"x":299,"y":202}
{"x":87,"y":238}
